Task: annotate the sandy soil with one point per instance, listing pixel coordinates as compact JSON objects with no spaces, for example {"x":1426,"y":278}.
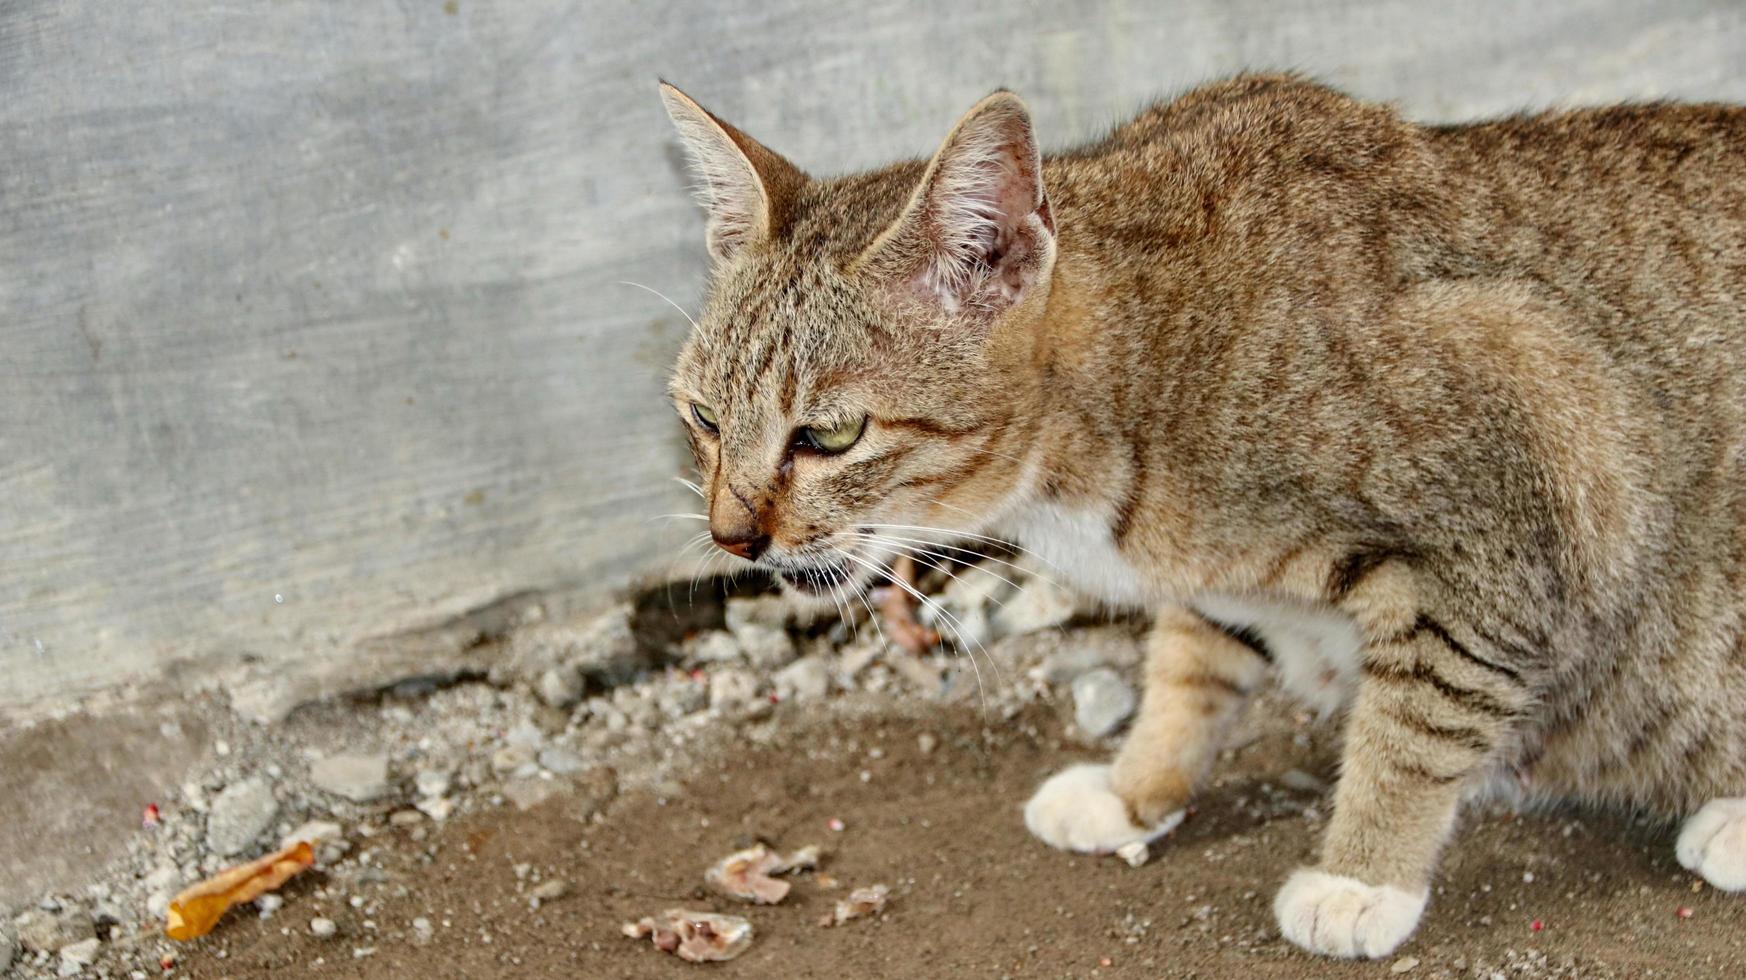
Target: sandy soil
{"x":972,"y":894}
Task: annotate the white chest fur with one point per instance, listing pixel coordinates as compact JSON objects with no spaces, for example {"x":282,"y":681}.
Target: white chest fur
{"x":1076,"y":548}
{"x":1315,"y":649}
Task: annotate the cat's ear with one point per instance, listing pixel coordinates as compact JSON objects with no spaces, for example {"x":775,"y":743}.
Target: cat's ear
{"x":977,"y":233}
{"x":745,"y":186}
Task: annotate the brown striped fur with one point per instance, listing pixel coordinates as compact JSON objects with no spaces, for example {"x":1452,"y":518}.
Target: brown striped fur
{"x":1478,"y":390}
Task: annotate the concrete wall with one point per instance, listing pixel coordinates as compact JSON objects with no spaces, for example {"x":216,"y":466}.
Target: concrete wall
{"x":311,"y":319}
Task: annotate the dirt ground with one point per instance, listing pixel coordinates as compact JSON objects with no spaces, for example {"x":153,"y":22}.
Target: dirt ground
{"x":972,"y":894}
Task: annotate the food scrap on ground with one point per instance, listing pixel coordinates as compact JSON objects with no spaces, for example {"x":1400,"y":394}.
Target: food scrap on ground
{"x":198,"y":908}
{"x":700,"y":937}
{"x":747,"y":874}
{"x":861,"y":902}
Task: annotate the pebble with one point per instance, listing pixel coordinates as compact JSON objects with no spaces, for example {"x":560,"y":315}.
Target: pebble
{"x":315,"y":832}
{"x":433,"y":782}
{"x":561,"y":761}
{"x":437,"y":808}
{"x":359,"y":777}
{"x":8,"y":947}
{"x":511,"y":758}
{"x":713,"y":647}
{"x":927,"y":742}
{"x":322,"y":928}
{"x":42,"y":931}
{"x":806,"y":679}
{"x":239,"y":816}
{"x":560,"y":686}
{"x":764,"y":647}
{"x":1101,"y":701}
{"x":1302,"y":781}
{"x":764,"y":611}
{"x":1403,"y":964}
{"x":529,"y":793}
{"x":551,"y":890}
{"x":731,"y":688}
{"x":75,"y":957}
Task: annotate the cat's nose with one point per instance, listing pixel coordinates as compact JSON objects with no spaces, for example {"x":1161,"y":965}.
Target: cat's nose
{"x":748,"y":547}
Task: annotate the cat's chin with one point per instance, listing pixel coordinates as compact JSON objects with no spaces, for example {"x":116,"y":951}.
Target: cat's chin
{"x":825,"y":583}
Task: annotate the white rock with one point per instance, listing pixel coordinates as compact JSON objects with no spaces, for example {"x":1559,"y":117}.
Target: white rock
{"x":358,"y":777}
{"x":43,"y":931}
{"x":82,"y":953}
{"x":765,"y":648}
{"x":239,"y":816}
{"x":560,"y":686}
{"x":561,"y":761}
{"x":731,"y":688}
{"x":806,"y":679}
{"x":323,"y":928}
{"x":767,"y":611}
{"x":512,"y":758}
{"x":713,"y":647}
{"x":315,"y":832}
{"x":433,"y":782}
{"x":1101,"y":701}
{"x":436,"y":807}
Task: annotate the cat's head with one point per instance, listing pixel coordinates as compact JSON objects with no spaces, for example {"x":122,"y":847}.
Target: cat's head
{"x":858,"y":375}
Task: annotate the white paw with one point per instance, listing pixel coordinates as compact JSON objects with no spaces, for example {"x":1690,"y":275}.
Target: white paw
{"x":1075,"y":810}
{"x":1339,"y":916}
{"x":1713,"y":843}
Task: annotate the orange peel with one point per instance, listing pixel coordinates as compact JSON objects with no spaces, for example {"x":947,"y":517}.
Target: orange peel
{"x":196,"y":910}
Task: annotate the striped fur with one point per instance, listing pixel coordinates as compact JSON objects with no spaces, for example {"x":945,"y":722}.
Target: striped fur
{"x":1446,"y":425}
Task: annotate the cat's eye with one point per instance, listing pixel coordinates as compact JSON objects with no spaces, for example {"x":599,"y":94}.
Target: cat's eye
{"x":833,"y":439}
{"x":705,"y":417}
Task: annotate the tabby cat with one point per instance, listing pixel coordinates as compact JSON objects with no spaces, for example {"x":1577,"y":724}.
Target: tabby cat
{"x":1443,"y":426}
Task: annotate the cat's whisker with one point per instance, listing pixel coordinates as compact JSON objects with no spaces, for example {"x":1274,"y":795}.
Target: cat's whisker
{"x":690,"y":485}
{"x":969,"y":551}
{"x":969,"y":643}
{"x":673,"y":517}
{"x":664,"y":296}
{"x":966,"y":534}
{"x":944,"y":557}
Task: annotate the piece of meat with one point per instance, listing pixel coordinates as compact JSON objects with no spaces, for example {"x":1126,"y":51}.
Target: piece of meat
{"x":897,"y":608}
{"x":749,"y":874}
{"x":699,"y":937}
{"x":861,"y":902}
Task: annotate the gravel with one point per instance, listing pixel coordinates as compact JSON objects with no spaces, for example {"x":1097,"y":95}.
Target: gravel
{"x":1101,"y":701}
{"x":8,"y":946}
{"x":44,"y":931}
{"x":358,"y":777}
{"x":323,"y":928}
{"x":807,"y":679}
{"x":239,"y":816}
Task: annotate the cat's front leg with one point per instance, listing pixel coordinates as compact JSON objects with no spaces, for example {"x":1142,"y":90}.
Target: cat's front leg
{"x":1433,"y":705}
{"x":1198,"y":678}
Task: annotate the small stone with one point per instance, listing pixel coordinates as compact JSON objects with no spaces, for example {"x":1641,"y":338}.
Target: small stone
{"x":765,"y":648}
{"x":806,"y":679}
{"x":1301,"y":781}
{"x":239,"y":816}
{"x":731,"y":688}
{"x":529,"y":793}
{"x":712,"y":647}
{"x":1135,"y":853}
{"x":1403,"y":964}
{"x":560,"y":686}
{"x":526,"y":735}
{"x":1101,"y":701}
{"x":550,"y":890}
{"x":322,"y":928}
{"x":684,"y":696}
{"x":268,"y":904}
{"x":405,"y":818}
{"x":358,"y":777}
{"x":764,"y":611}
{"x":561,"y":761}
{"x":42,"y":931}
{"x":315,"y":832}
{"x":433,"y":782}
{"x":76,"y":956}
{"x":8,"y":947}
{"x":927,"y":742}
{"x":436,"y":807}
{"x":511,"y":758}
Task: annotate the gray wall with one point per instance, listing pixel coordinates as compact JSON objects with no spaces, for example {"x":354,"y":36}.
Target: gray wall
{"x":311,"y":325}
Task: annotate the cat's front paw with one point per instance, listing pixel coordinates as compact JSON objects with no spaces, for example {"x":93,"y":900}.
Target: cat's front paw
{"x":1076,"y":810}
{"x":1339,"y":916}
{"x":1713,"y":843}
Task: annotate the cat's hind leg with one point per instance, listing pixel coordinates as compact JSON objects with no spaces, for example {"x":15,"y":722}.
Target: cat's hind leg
{"x":1712,"y":843}
{"x":1198,"y":678}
